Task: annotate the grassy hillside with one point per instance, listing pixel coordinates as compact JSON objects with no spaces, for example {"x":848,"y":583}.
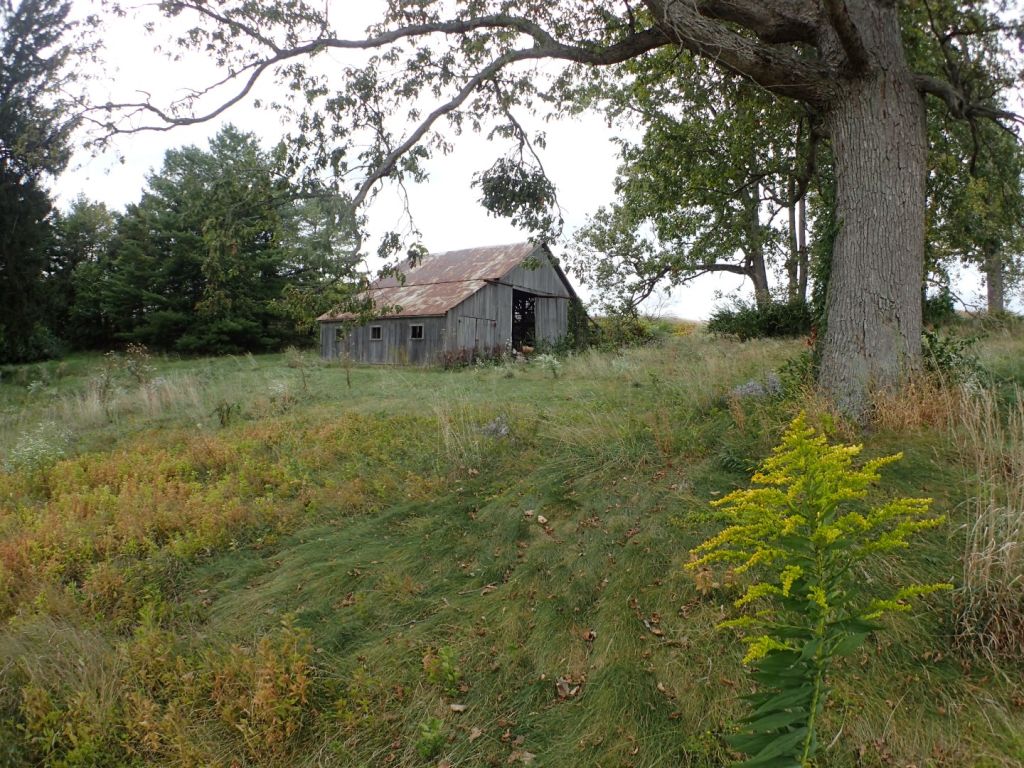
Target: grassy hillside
{"x":252,"y":561}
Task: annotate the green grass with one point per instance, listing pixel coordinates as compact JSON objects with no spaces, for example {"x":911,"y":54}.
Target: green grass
{"x":317,"y":580}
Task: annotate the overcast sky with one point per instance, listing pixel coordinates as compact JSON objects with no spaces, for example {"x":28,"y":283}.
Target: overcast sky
{"x":580,"y":157}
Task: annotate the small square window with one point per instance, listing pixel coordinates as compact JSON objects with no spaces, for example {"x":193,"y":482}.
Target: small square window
{"x":415,"y":331}
{"x":375,"y":333}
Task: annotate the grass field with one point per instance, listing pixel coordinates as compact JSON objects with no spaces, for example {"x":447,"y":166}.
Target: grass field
{"x":255,"y":561}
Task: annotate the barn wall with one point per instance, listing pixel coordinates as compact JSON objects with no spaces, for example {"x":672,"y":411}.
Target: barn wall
{"x":394,"y":347}
{"x":552,"y":319}
{"x":475,"y":323}
{"x":544,"y":280}
{"x":328,"y":348}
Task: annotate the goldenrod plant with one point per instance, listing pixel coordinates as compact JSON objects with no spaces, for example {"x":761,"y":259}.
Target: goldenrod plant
{"x":805,"y":534}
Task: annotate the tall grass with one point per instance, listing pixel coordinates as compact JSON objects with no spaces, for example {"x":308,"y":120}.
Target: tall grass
{"x":991,"y":605}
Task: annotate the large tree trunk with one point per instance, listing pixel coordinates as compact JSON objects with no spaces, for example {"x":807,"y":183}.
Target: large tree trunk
{"x":995,"y":285}
{"x":873,"y":308}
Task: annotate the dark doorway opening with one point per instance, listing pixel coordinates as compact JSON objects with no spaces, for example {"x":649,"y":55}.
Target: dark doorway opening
{"x":524,"y":319}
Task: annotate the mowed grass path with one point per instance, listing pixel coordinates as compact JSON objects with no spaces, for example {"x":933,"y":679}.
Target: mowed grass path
{"x":473,"y":568}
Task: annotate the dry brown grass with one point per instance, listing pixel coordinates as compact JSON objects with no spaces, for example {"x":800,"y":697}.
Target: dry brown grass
{"x":927,"y":401}
{"x":990,"y":617}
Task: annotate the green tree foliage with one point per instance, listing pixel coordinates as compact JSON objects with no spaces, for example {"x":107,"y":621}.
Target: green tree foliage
{"x":78,"y":254}
{"x":36,"y":120}
{"x":976,"y":178}
{"x":715,"y":184}
{"x":807,"y":534}
{"x":201,"y":263}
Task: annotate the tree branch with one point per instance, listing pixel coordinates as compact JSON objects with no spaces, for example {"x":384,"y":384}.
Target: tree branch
{"x":783,"y":21}
{"x":779,"y":69}
{"x":849,"y":37}
{"x":958,"y":104}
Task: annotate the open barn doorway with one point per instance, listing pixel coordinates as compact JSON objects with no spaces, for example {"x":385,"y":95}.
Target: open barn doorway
{"x":524,"y":320}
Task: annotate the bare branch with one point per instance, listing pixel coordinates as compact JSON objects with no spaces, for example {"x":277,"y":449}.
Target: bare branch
{"x":553,"y":50}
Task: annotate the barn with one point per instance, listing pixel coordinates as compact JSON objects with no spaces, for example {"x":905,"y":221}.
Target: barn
{"x":458,"y":304}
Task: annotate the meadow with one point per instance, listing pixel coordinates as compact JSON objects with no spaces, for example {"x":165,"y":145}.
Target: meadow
{"x":273,"y":561}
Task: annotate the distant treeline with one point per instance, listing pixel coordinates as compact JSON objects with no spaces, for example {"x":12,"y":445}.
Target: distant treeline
{"x":209,"y":260}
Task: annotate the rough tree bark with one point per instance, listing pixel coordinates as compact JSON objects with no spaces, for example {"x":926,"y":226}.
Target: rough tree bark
{"x":873,"y":310}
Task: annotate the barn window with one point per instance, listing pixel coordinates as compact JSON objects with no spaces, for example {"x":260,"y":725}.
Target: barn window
{"x":415,"y":331}
{"x":375,"y":333}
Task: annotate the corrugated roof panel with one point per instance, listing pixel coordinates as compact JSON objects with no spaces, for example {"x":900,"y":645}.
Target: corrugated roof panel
{"x":441,"y":281}
{"x":489,"y":263}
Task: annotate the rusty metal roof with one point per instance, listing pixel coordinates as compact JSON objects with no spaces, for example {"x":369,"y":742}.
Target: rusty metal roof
{"x":441,"y":281}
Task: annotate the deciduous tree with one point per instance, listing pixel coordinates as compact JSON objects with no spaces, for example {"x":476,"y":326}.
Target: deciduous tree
{"x":466,"y":64}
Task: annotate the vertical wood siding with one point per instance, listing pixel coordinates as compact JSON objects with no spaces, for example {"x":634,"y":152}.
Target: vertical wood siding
{"x":395,"y":346}
{"x":552,"y":319}
{"x":543,"y":280}
{"x":474,"y":324}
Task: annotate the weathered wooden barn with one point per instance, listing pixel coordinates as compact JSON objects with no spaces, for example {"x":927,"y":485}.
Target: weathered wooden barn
{"x":458,"y":303}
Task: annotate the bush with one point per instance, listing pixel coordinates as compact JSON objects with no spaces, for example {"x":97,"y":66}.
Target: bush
{"x":749,"y":321}
{"x":617,"y":331}
{"x":939,"y":308}
{"x":952,"y":357}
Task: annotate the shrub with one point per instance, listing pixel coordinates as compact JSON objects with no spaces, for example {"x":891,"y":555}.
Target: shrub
{"x":749,"y":321}
{"x":809,"y":538}
{"x":952,"y":357}
{"x":549,"y":363}
{"x":617,"y":331}
{"x":938,"y":308}
{"x":263,"y":693}
{"x":44,"y":445}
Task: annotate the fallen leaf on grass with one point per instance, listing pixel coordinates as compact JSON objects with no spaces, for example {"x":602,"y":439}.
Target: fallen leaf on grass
{"x":488,"y":589}
{"x":542,"y":520}
{"x":347,"y":601}
{"x":653,"y":628}
{"x":457,"y":708}
{"x":475,"y":734}
{"x":521,"y":757}
{"x":567,"y":688}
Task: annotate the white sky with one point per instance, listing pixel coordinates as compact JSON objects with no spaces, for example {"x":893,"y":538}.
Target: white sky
{"x":580,"y":157}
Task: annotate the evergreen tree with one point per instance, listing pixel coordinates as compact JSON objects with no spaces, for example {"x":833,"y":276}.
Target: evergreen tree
{"x":35,"y":125}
